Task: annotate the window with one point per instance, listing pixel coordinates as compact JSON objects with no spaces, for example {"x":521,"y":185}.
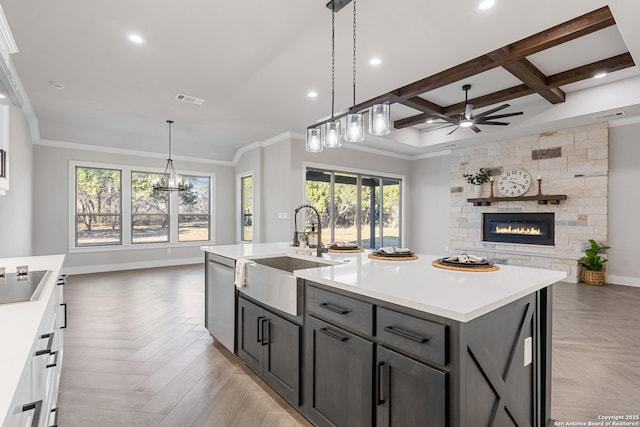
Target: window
{"x":246,"y":202}
{"x":362,"y":209}
{"x":149,"y":209}
{"x":116,"y":206}
{"x":193,"y":210}
{"x":98,"y":207}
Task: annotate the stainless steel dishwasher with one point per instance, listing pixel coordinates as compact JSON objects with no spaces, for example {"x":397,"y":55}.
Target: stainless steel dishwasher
{"x":219,"y":295}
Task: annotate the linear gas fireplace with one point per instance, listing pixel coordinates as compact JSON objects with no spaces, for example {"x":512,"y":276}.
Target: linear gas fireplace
{"x":526,"y":228}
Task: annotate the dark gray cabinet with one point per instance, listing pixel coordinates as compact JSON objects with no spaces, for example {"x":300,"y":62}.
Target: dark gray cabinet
{"x":408,"y":393}
{"x":338,"y":376}
{"x":270,"y":346}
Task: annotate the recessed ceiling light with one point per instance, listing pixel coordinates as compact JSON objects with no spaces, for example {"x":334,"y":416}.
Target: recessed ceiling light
{"x":2,"y":96}
{"x":312,"y":94}
{"x":485,"y":4}
{"x":599,"y":75}
{"x":136,"y":38}
{"x":375,"y":62}
{"x":430,"y":120}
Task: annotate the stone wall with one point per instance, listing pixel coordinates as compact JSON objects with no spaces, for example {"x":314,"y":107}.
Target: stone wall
{"x":571,"y":161}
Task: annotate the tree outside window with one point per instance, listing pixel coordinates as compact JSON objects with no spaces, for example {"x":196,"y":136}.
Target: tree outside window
{"x":149,"y":209}
{"x":98,"y":206}
{"x":193,"y":210}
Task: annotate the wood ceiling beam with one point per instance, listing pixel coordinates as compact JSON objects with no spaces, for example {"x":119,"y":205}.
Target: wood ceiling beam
{"x":422,"y":104}
{"x":570,"y":30}
{"x":609,"y":65}
{"x":531,"y":76}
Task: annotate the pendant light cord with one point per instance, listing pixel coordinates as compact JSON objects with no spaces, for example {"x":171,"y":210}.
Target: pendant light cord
{"x":170,"y":122}
{"x":354,"y":53}
{"x":333,"y":58}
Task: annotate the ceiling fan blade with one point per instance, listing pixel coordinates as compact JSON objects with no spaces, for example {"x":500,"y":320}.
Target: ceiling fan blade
{"x":475,"y":128}
{"x":493,"y":110}
{"x":454,"y":129}
{"x":493,"y":123}
{"x":468,"y":109}
{"x":502,"y":116}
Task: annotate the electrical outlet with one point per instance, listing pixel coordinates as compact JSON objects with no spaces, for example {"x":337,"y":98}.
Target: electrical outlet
{"x":528,"y":351}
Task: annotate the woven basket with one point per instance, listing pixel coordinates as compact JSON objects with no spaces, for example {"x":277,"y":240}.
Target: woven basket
{"x":593,"y":277}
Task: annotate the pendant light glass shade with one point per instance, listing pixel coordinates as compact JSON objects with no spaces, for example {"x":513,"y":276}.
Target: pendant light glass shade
{"x":379,"y":120}
{"x":332,"y":134}
{"x":174,"y":181}
{"x":314,"y":140}
{"x":354,"y":128}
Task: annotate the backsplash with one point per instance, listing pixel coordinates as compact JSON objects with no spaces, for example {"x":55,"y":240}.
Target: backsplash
{"x":570,"y":161}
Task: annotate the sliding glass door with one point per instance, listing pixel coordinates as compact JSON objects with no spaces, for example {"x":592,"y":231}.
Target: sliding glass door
{"x":362,"y":209}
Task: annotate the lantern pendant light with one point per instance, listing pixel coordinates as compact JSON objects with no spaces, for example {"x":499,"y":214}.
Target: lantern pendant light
{"x":354,"y":124}
{"x":174,"y":181}
{"x":379,"y":119}
{"x":332,"y":128}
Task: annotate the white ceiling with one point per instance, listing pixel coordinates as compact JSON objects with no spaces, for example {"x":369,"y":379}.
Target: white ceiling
{"x":254,"y":62}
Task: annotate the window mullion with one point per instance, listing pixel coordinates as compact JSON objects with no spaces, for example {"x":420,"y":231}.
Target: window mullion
{"x":173,"y":217}
{"x":125,"y":207}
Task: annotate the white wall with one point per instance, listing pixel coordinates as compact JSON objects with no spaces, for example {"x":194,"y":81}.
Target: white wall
{"x":16,"y":206}
{"x":250,"y":161}
{"x":429,"y":219}
{"x":51,"y":211}
{"x":624,"y":205}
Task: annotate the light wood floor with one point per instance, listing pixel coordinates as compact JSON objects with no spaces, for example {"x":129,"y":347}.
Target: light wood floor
{"x":137,"y":354}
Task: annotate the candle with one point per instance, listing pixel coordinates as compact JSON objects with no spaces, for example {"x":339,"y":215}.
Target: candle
{"x":491,"y":178}
{"x":539,"y":177}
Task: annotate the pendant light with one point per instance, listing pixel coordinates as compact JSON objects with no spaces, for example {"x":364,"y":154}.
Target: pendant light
{"x":354,"y":124}
{"x":332,"y":127}
{"x":174,"y":181}
{"x":379,"y":119}
{"x":314,"y":140}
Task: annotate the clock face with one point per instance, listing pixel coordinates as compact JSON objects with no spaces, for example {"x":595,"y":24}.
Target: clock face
{"x":514,"y":182}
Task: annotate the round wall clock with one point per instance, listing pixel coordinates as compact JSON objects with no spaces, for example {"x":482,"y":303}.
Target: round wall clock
{"x":514,"y":182}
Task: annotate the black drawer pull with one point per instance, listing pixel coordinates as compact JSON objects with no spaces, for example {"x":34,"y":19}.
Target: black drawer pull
{"x":36,"y":407}
{"x":55,"y":360}
{"x":54,"y":411}
{"x":405,"y":334}
{"x":265,"y":332}
{"x":380,"y":395}
{"x":333,"y":334}
{"x":46,"y":350}
{"x":64,"y":304}
{"x":334,"y":308}
{"x":260,"y":319}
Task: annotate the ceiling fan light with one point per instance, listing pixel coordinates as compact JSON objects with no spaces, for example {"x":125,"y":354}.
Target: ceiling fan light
{"x":466,"y":123}
{"x":314,"y":140}
{"x":354,"y":128}
{"x":332,"y":134}
{"x":485,"y":4}
{"x":379,"y":119}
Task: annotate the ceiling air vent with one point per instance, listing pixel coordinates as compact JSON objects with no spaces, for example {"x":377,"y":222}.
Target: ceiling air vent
{"x":190,"y":99}
{"x":610,"y":116}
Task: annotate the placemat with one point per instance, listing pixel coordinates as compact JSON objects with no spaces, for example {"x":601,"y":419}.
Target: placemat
{"x":345,"y":251}
{"x":393,"y":258}
{"x":493,"y":267}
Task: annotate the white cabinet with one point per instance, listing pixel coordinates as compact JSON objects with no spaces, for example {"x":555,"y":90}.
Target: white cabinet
{"x":34,"y":402}
{"x":4,"y":149}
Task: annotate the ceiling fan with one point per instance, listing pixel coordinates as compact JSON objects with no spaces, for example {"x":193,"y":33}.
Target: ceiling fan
{"x":468,"y":120}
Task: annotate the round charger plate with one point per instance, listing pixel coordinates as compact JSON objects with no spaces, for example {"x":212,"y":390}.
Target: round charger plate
{"x":484,"y":263}
{"x":345,"y":251}
{"x":395,"y":257}
{"x":474,"y":269}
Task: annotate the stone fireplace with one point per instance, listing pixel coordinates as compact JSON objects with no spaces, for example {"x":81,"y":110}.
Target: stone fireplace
{"x":522,"y":228}
{"x":572,"y":161}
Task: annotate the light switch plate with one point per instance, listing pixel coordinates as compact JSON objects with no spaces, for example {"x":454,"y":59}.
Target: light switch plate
{"x":528,"y":351}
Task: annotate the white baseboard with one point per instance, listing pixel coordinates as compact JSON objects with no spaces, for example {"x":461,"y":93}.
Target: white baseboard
{"x":101,"y":268}
{"x":622,"y":280}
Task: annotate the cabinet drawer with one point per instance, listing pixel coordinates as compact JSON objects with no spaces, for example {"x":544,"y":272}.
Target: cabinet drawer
{"x":349,"y":313}
{"x":419,"y":338}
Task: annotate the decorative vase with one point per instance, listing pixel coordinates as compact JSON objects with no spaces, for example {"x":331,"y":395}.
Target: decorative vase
{"x":477,"y":191}
{"x":593,"y":277}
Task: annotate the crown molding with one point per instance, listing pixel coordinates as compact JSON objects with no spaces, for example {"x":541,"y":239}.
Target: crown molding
{"x":7,"y":43}
{"x":624,"y":122}
{"x":126,"y":152}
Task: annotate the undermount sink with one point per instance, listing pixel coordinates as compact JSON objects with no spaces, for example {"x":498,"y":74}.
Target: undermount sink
{"x":271,"y":281}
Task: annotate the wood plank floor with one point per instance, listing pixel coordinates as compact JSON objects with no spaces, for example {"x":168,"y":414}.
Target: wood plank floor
{"x":137,"y":354}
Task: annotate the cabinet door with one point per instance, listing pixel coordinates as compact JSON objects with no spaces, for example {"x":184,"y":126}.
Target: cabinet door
{"x":338,"y":376}
{"x":281,"y":368}
{"x":408,"y":393}
{"x":251,"y":328}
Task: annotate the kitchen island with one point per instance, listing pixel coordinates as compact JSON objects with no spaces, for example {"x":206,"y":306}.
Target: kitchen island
{"x":382,"y":342}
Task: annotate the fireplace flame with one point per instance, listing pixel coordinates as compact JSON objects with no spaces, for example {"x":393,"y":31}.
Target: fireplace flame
{"x":529,"y":231}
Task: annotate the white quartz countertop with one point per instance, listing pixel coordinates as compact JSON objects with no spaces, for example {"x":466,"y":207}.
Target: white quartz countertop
{"x":457,"y":295}
{"x":19,"y":323}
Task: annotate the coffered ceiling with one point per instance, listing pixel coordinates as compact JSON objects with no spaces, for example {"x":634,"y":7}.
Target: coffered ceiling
{"x":254,"y":63}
